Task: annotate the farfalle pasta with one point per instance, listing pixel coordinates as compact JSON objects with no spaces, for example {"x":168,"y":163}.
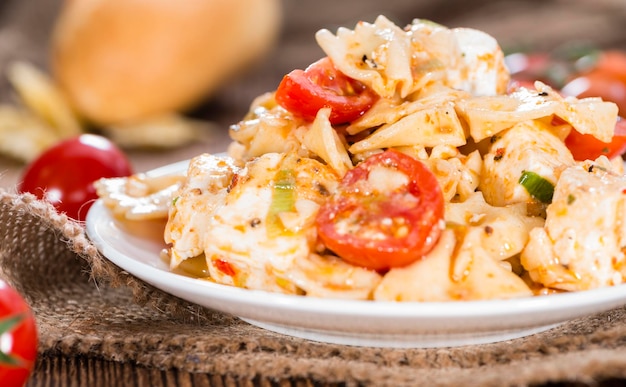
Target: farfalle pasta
{"x":402,"y":168}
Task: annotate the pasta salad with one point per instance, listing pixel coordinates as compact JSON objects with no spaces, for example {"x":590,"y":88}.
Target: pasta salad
{"x":402,"y":166}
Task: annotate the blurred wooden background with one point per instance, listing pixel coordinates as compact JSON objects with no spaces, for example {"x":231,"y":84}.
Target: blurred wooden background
{"x":539,"y":24}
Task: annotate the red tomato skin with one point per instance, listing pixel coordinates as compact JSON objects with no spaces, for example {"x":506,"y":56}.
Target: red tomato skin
{"x":422,"y":205}
{"x":305,"y":92}
{"x":587,"y":147}
{"x":612,"y":63}
{"x":23,"y":339}
{"x":64,"y":174}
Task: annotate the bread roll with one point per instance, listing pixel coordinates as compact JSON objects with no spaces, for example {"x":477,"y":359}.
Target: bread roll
{"x":121,"y":61}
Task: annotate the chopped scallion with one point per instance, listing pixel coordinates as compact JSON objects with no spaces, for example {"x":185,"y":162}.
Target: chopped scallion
{"x":283,"y":200}
{"x":537,"y":186}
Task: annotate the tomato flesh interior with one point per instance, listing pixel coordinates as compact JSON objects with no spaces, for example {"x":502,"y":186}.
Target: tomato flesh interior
{"x":380,"y":230}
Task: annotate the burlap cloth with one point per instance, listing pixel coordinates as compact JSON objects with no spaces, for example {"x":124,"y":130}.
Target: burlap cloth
{"x":100,"y":326}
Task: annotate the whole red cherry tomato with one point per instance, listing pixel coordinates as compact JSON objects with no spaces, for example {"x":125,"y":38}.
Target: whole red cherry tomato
{"x":587,"y":147}
{"x":387,"y":212}
{"x":64,"y":174}
{"x":321,"y":85}
{"x":18,"y":335}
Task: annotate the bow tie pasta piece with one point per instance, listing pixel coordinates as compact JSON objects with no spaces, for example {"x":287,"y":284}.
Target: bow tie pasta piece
{"x":393,"y":61}
{"x":499,"y":233}
{"x":322,"y":140}
{"x":328,"y":276}
{"x":267,"y":128}
{"x":487,"y":116}
{"x":434,"y":125}
{"x":429,"y":279}
{"x":379,"y":55}
{"x":139,"y":197}
{"x":390,"y":110}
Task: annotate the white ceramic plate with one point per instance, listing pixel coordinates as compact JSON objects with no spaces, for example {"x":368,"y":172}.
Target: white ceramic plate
{"x":363,"y":323}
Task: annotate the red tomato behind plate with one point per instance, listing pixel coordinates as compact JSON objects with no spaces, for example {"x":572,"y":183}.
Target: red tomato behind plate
{"x":321,"y":85}
{"x":18,"y":338}
{"x":375,"y":225}
{"x":64,"y":174}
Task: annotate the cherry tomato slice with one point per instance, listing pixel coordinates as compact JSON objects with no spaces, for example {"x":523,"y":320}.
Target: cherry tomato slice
{"x":586,"y":147}
{"x":379,"y":226}
{"x":64,"y":174}
{"x":18,"y":334}
{"x":321,"y":85}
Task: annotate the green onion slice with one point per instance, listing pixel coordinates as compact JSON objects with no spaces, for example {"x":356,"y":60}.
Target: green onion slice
{"x":283,"y":200}
{"x":537,"y":186}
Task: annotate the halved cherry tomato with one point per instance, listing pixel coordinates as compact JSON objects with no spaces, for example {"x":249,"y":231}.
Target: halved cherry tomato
{"x":18,"y":335}
{"x":587,"y":147}
{"x":64,"y":174}
{"x":376,"y":224}
{"x":321,"y":85}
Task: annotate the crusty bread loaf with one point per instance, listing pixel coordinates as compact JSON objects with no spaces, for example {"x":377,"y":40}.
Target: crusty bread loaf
{"x":125,"y":60}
